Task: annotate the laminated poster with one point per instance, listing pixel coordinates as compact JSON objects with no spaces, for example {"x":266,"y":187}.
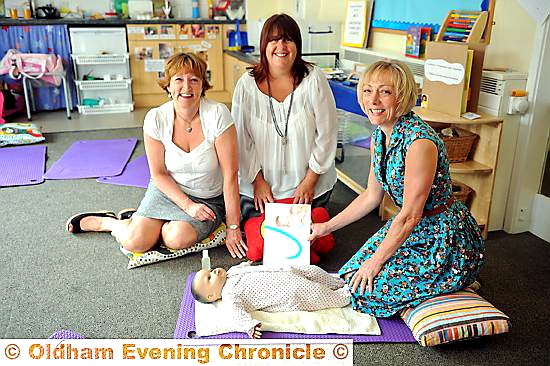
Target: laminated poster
{"x":285,"y":231}
{"x":153,"y":65}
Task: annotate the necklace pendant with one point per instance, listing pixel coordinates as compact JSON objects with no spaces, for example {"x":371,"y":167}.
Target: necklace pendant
{"x":285,"y":140}
{"x":189,"y":129}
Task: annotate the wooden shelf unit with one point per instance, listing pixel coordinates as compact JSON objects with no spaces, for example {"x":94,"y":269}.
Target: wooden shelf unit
{"x":233,"y":69}
{"x":478,"y":172}
{"x":174,"y":38}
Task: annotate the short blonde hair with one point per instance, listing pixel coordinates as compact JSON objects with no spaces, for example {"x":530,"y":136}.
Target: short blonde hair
{"x":402,"y":79}
{"x":185,"y":62}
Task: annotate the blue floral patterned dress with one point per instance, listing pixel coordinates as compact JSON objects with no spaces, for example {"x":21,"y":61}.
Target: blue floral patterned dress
{"x":443,"y":253}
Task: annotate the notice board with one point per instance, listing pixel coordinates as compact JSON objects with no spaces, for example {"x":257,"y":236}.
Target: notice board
{"x":401,"y":14}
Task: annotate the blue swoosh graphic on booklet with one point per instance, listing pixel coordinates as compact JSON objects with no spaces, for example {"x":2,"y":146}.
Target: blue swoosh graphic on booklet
{"x":290,"y":237}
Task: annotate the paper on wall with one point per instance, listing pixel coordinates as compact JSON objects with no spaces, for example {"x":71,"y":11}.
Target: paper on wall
{"x":153,"y":65}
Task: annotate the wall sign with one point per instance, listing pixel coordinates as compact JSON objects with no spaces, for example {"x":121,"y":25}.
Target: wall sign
{"x":357,"y":23}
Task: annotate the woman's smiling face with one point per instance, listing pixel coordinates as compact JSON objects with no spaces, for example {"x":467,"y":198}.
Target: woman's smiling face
{"x":280,"y":52}
{"x":380,"y":100}
{"x":185,"y":87}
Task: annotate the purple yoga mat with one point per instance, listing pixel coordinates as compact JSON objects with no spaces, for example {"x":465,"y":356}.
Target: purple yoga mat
{"x":394,"y":330}
{"x":66,"y":334}
{"x":92,"y":159}
{"x":136,"y":174}
{"x":22,"y":165}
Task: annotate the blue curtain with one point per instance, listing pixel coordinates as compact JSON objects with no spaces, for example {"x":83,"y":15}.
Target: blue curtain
{"x":42,"y":39}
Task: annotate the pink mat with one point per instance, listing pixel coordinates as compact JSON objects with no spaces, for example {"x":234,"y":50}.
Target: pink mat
{"x":136,"y":174}
{"x":22,"y":165}
{"x":92,"y":159}
{"x":394,"y":330}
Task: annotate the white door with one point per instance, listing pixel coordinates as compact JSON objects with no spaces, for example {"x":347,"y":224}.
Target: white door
{"x":529,"y":208}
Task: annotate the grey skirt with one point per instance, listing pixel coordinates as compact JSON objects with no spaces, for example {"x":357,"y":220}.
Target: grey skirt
{"x":156,"y":205}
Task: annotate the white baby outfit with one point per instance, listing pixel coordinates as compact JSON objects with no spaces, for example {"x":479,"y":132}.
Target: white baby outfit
{"x":300,"y":288}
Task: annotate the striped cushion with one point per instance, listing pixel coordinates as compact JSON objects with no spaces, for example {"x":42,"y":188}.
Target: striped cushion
{"x":448,"y":318}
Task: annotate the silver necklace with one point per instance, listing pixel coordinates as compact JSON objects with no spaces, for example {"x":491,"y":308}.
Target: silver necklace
{"x":279,"y":132}
{"x":189,"y":129}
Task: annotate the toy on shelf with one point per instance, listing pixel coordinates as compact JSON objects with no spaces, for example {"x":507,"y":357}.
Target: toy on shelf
{"x":416,"y":41}
{"x":463,"y":26}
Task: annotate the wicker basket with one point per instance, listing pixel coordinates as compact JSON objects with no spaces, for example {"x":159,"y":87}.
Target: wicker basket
{"x":461,"y":191}
{"x":458,"y":147}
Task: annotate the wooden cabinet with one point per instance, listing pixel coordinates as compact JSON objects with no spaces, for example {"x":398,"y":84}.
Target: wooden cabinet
{"x":478,"y":172}
{"x":233,"y":69}
{"x":151,"y":44}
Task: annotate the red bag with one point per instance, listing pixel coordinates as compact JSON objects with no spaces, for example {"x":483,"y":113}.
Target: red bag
{"x":32,"y":65}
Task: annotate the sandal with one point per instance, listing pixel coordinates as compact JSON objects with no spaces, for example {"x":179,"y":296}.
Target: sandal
{"x":125,"y":214}
{"x":476,"y":285}
{"x":73,"y":223}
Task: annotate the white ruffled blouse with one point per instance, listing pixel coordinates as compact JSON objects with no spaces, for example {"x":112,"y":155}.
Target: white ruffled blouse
{"x":312,"y":135}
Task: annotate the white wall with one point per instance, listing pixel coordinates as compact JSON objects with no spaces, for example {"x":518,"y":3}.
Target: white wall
{"x":512,"y":37}
{"x":511,"y":43}
{"x":263,"y":9}
{"x":318,"y":10}
{"x":511,"y":40}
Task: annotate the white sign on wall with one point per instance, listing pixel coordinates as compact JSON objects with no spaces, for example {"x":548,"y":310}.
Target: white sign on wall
{"x":357,"y":23}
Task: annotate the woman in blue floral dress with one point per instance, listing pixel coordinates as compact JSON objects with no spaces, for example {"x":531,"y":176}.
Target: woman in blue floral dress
{"x":433,"y":245}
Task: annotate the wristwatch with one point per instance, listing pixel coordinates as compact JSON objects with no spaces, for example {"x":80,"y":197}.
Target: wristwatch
{"x":233,"y":227}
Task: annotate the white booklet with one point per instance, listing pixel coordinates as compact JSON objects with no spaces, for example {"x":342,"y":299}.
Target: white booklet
{"x":285,"y":230}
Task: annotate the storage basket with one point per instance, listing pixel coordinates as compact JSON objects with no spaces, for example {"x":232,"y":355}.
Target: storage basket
{"x":461,"y":191}
{"x":458,"y":147}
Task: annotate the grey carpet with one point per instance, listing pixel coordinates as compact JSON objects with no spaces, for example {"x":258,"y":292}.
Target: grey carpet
{"x":50,"y":279}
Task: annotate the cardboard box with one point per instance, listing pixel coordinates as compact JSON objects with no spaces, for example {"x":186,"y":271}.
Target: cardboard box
{"x":444,"y":77}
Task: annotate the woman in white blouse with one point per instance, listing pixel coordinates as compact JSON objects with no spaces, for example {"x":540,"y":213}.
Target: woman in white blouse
{"x":285,"y":115}
{"x":286,"y":124}
{"x":190,"y":143}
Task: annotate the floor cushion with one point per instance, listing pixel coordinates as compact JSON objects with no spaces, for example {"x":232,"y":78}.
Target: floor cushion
{"x":161,"y":253}
{"x":452,"y":317}
{"x":19,"y":134}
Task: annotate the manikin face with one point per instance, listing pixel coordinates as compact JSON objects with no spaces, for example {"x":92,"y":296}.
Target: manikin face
{"x":380,"y":101}
{"x":186,"y":88}
{"x":209,"y":284}
{"x":281,"y":53}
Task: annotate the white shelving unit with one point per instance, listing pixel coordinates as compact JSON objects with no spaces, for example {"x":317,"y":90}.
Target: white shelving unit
{"x":102,"y":70}
{"x":116,"y":93}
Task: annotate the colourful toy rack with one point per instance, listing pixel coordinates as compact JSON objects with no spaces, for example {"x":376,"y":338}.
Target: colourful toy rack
{"x":463,"y":26}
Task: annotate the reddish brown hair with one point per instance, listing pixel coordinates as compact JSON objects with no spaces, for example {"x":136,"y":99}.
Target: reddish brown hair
{"x":185,"y":62}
